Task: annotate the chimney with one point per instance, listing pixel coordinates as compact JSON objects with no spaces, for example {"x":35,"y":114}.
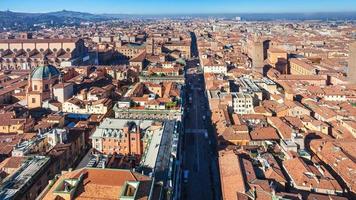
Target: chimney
{"x":254,"y":193}
{"x":300,"y":196}
{"x":273,"y":192}
{"x":60,"y":137}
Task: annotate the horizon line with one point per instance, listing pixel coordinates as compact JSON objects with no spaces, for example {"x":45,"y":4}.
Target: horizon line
{"x":202,"y":13}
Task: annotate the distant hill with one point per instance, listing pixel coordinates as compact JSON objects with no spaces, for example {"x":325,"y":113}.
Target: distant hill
{"x":76,"y":15}
{"x":26,"y":20}
{"x":17,"y":20}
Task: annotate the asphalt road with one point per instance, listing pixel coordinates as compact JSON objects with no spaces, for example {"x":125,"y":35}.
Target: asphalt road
{"x":197,"y":151}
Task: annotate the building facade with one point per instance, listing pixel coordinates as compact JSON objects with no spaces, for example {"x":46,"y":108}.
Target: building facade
{"x":30,"y":53}
{"x":119,"y":136}
{"x":243,"y":103}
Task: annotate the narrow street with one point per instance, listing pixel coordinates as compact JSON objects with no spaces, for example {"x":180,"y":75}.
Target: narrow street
{"x":199,"y":143}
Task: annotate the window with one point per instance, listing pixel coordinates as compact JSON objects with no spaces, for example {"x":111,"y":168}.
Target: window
{"x":46,"y":86}
{"x":35,"y":87}
{"x":33,"y":100}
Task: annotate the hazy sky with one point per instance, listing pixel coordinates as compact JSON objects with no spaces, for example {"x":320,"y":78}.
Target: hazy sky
{"x":179,"y":6}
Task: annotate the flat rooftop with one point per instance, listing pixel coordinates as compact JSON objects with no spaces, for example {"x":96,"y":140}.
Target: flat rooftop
{"x":20,"y":180}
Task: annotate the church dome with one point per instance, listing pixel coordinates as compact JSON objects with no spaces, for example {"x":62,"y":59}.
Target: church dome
{"x":44,"y":72}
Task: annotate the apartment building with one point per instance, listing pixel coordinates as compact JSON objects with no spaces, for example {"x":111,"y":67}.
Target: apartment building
{"x":120,"y":136}
{"x":242,"y":103}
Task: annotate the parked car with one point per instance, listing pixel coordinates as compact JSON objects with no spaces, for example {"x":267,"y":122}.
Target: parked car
{"x":185,"y":176}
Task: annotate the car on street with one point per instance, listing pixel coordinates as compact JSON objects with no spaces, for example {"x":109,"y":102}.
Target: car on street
{"x":206,"y":135}
{"x":185,"y":176}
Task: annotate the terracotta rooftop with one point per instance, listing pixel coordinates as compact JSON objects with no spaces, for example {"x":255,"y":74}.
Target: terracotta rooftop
{"x":105,"y":184}
{"x":340,"y":155}
{"x":264,"y":133}
{"x":232,"y":181}
{"x":305,"y":174}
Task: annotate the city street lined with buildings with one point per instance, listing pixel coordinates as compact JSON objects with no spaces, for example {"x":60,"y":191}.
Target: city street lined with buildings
{"x":197,"y":149}
{"x":199,"y":156}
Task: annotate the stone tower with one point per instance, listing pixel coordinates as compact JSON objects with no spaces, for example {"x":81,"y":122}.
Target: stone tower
{"x":351,"y":72}
{"x":257,"y":53}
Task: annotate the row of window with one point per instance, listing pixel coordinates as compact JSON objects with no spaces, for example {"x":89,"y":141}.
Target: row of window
{"x":41,"y":50}
{"x":12,"y":127}
{"x":243,"y":106}
{"x":35,"y":87}
{"x":241,"y":101}
{"x":26,"y":61}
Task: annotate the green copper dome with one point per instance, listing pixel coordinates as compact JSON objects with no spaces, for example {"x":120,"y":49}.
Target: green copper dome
{"x":44,"y":72}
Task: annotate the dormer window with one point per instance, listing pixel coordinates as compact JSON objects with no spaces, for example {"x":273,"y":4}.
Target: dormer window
{"x":129,"y":190}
